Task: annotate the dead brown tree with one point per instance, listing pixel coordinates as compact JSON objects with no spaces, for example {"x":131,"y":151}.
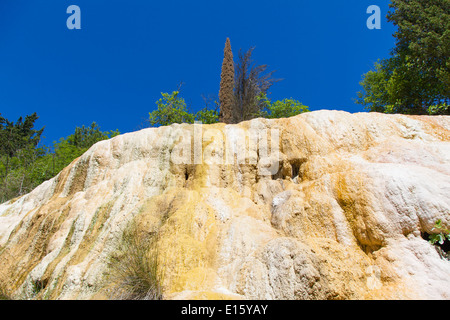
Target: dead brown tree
{"x":226,"y":94}
{"x":250,"y":82}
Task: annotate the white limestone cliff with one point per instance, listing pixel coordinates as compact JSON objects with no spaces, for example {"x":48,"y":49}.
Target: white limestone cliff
{"x":342,"y":218}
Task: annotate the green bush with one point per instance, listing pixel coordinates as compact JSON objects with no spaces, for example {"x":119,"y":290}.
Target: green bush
{"x":171,"y":108}
{"x":280,"y":109}
{"x":443,"y":109}
{"x":441,"y":234}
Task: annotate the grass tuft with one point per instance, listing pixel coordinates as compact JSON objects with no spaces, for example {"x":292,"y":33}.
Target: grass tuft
{"x":134,"y":267}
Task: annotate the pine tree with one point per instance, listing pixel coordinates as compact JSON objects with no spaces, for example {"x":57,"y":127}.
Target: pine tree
{"x":226,"y":94}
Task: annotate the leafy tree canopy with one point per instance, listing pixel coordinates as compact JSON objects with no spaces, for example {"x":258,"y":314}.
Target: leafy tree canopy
{"x":85,"y":137}
{"x":19,"y":135}
{"x":280,"y":109}
{"x":416,"y":79}
{"x":24,"y":164}
{"x":171,"y":108}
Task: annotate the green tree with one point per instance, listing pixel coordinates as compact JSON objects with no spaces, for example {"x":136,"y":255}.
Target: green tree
{"x":375,"y":96}
{"x":280,"y":109}
{"x":207,"y":116}
{"x":19,"y":135}
{"x":423,"y":38}
{"x":85,"y":137}
{"x":416,"y":79}
{"x":68,"y":149}
{"x":27,"y":165}
{"x":171,"y":109}
{"x":18,"y":151}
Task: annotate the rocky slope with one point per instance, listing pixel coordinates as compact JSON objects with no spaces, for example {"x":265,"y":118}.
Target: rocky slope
{"x":342,"y":218}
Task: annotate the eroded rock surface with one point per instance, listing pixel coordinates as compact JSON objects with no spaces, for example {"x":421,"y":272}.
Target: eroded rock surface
{"x":342,"y":218}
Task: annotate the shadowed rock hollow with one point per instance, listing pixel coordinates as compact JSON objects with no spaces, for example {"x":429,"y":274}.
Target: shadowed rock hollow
{"x":324,"y":205}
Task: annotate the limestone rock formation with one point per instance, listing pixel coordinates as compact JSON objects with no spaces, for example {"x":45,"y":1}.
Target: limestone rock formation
{"x":324,"y":205}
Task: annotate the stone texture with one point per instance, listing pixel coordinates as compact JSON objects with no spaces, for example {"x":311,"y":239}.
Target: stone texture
{"x":341,"y":219}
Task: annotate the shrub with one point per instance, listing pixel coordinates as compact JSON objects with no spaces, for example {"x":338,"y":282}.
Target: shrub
{"x":171,"y":109}
{"x":441,"y":235}
{"x":281,"y":109}
{"x":441,"y":240}
{"x":134,"y":267}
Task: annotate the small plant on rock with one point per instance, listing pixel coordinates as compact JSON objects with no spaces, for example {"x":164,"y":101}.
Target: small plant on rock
{"x":441,"y":235}
{"x":441,"y":240}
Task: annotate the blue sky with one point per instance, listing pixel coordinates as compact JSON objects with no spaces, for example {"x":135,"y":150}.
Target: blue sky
{"x":127,"y":52}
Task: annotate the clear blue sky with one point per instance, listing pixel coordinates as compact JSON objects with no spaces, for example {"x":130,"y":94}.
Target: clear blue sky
{"x":113,"y":70}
